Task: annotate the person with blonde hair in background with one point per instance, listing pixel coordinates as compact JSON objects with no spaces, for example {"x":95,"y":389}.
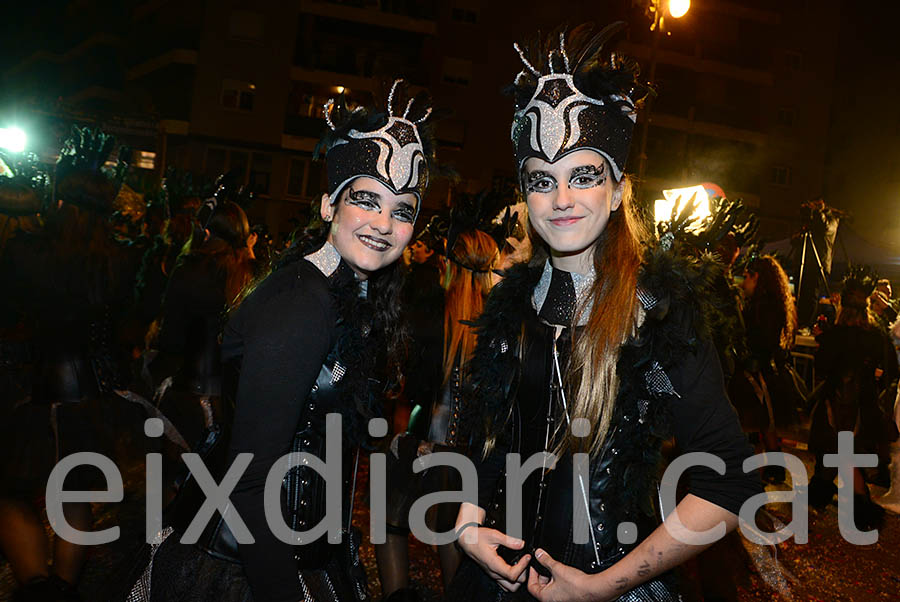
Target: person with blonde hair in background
{"x":436,"y":420}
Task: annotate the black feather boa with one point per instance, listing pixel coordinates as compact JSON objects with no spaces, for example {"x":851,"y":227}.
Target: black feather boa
{"x":673,"y":327}
{"x":356,"y":348}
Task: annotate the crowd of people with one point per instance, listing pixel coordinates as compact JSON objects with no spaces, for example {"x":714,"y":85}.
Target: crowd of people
{"x":558,"y":327}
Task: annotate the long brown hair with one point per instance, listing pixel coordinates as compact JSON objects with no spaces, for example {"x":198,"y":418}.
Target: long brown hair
{"x":466,"y":290}
{"x":772,"y":296}
{"x":591,"y":378}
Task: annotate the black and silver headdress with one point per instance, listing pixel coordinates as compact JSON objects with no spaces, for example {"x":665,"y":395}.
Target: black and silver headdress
{"x":563,"y":105}
{"x":395,"y":149}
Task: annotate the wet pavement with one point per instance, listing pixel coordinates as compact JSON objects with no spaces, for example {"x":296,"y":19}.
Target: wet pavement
{"x":826,"y":569}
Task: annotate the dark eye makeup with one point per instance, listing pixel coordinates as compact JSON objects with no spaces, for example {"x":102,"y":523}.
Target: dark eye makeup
{"x":370,"y":201}
{"x":587,"y":176}
{"x":358,"y":196}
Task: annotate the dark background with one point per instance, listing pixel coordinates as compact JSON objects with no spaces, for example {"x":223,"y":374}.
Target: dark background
{"x":776,"y":101}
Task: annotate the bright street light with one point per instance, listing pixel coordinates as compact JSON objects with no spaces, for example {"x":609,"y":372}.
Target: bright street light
{"x":12,"y":139}
{"x":662,"y":210}
{"x":679,"y":8}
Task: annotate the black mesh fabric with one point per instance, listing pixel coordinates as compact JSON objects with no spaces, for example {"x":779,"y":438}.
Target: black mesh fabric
{"x":184,"y":573}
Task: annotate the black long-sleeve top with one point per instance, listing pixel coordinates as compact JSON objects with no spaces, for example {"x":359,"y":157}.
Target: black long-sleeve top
{"x":282,"y":332}
{"x":703,"y":420}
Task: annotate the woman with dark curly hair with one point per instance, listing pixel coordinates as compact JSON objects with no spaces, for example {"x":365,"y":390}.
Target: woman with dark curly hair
{"x":304,"y":344}
{"x":770,"y":319}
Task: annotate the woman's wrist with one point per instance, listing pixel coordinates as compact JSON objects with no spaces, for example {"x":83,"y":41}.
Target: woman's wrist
{"x":469,"y":512}
{"x":602,"y":587}
{"x":462,"y":528}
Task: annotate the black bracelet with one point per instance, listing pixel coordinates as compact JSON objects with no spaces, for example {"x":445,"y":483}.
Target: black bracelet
{"x":465,"y":526}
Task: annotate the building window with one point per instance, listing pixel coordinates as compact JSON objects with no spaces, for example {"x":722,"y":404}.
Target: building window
{"x":252,"y":169}
{"x":237,"y":95}
{"x":457,"y":71}
{"x":793,"y":60}
{"x":316,"y":179}
{"x":297,"y":176}
{"x":786,"y":116}
{"x":781,"y":175}
{"x":144,"y":159}
{"x":260,"y":173}
{"x":306,"y":178}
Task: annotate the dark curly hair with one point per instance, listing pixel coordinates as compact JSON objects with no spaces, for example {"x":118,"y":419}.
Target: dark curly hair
{"x":385,"y":287}
{"x":773,"y":297}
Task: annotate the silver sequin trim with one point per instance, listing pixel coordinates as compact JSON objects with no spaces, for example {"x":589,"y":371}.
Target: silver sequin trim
{"x":326,"y":259}
{"x":581,"y":282}
{"x":652,"y":591}
{"x":141,"y":590}
{"x":543,"y":286}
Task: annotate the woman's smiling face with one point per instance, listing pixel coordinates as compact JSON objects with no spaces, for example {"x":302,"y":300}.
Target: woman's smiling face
{"x":370,"y":225}
{"x":569,"y":204}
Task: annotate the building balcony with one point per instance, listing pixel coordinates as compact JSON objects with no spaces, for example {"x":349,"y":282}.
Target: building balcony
{"x":700,"y":65}
{"x":303,"y":127}
{"x":405,"y":15}
{"x":714,"y":130}
{"x":176,"y":56}
{"x":333,"y":78}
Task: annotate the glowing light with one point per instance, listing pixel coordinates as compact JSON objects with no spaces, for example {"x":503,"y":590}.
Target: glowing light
{"x":679,"y":8}
{"x":339,"y":89}
{"x":662,"y":209}
{"x":12,"y":139}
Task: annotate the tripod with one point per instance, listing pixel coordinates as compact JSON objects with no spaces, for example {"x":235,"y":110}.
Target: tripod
{"x":808,"y":239}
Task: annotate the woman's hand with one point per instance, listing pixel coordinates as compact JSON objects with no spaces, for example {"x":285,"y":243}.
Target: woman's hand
{"x":481,"y":544}
{"x":565,"y":584}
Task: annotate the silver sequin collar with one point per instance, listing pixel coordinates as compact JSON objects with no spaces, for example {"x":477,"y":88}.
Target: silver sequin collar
{"x":581,"y":282}
{"x":326,"y":259}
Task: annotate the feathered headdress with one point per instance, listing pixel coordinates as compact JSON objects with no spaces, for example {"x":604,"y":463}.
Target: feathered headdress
{"x":396,"y":147}
{"x":727,"y":217}
{"x":858,"y":284}
{"x":79,"y":176}
{"x":571,"y":96}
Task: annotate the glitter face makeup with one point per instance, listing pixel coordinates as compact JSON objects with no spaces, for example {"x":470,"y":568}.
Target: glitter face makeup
{"x":370,"y":225}
{"x":570,"y":218}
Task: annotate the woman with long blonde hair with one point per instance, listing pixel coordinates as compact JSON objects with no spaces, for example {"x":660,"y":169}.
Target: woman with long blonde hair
{"x":588,"y":357}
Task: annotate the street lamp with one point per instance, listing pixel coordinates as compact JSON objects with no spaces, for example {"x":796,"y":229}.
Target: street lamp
{"x":12,"y":139}
{"x":679,"y":8}
{"x":656,"y":10}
